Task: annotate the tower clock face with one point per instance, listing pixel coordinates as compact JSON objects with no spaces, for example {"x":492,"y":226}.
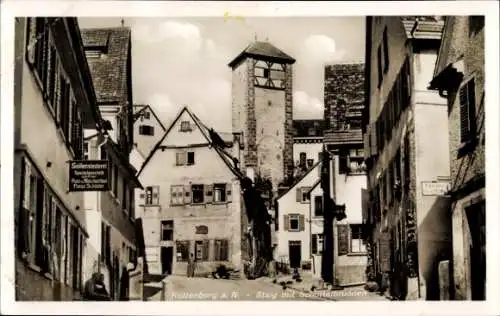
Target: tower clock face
{"x":269,"y":75}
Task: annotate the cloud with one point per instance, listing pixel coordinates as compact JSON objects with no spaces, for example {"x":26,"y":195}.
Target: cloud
{"x":182,"y":37}
{"x":163,"y":107}
{"x":322,"y":48}
{"x":306,"y":107}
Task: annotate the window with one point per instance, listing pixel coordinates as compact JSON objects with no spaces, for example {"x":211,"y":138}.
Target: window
{"x":182,"y":250}
{"x":302,"y":159}
{"x":146,"y":130}
{"x":343,"y":163}
{"x":184,"y":158}
{"x":201,"y":248}
{"x":294,"y":222}
{"x":221,"y":250}
{"x":220,"y":192}
{"x":198,"y":193}
{"x":190,"y":158}
{"x":318,"y":205}
{"x":167,"y":230}
{"x":186,"y":126}
{"x":317,"y":244}
{"x":385,"y":43}
{"x":152,"y":195}
{"x":357,"y":243}
{"x":177,"y":194}
{"x":269,"y":75}
{"x":146,"y":115}
{"x":468,"y":112}
{"x":310,"y":163}
{"x":302,"y":194}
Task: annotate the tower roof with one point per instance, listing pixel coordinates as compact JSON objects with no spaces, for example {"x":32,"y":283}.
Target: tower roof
{"x":262,"y":50}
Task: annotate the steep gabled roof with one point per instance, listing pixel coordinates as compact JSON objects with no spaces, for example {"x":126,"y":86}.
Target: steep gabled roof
{"x":299,"y":180}
{"x":204,"y":131}
{"x":109,"y":73}
{"x":262,"y":50}
{"x":139,"y":108}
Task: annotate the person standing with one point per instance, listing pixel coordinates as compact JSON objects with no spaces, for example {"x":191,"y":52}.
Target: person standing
{"x":95,"y":289}
{"x":191,"y":266}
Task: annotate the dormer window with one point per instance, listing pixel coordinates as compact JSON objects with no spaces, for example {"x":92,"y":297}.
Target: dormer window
{"x":186,"y":126}
{"x":147,"y":130}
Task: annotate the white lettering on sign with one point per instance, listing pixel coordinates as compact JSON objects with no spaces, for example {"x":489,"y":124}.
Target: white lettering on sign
{"x":435,"y":187}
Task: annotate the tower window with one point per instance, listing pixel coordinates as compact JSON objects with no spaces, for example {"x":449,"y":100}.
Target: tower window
{"x":269,"y":75}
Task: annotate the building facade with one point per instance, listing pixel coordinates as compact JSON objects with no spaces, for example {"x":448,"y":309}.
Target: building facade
{"x":262,"y":110}
{"x":459,"y":77}
{"x":111,"y":213}
{"x":148,"y":129}
{"x":54,"y":98}
{"x":344,"y":105}
{"x":406,"y":153}
{"x":294,"y":222}
{"x":191,"y":203}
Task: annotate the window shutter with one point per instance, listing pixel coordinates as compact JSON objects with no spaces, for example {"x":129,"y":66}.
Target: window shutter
{"x":464,"y":115}
{"x":183,"y":158}
{"x":286,"y":222}
{"x":229,"y":187}
{"x":32,"y":36}
{"x":156,"y":195}
{"x":301,"y":223}
{"x":373,"y":140}
{"x":209,"y":194}
{"x":141,"y":198}
{"x":187,"y":194}
{"x":27,"y":184}
{"x":314,"y":244}
{"x":299,"y":194}
{"x":343,"y":239}
{"x":206,"y":248}
{"x":173,"y":195}
{"x":366,"y":142}
{"x":52,"y":75}
{"x":225,"y":250}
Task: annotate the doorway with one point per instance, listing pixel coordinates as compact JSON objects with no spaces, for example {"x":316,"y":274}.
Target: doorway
{"x":477,"y":249}
{"x":295,"y":253}
{"x":167,"y":255}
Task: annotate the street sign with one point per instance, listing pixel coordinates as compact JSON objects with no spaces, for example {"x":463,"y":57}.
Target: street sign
{"x":435,"y":187}
{"x":88,"y":175}
{"x":202,"y":229}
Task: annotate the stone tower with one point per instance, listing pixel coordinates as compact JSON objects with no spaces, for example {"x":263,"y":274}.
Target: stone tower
{"x":262,"y":110}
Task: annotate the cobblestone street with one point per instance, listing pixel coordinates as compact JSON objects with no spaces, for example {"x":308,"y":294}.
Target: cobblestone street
{"x":183,"y":288}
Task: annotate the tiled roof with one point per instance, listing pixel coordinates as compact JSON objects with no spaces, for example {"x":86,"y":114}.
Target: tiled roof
{"x":262,"y":49}
{"x":109,"y":72}
{"x":308,"y":128}
{"x":343,"y":137}
{"x":429,"y":27}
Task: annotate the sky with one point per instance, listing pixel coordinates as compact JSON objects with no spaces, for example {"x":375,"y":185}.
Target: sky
{"x":180,"y":62}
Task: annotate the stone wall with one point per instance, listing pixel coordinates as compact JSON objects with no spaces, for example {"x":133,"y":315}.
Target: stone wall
{"x":344,"y":90}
